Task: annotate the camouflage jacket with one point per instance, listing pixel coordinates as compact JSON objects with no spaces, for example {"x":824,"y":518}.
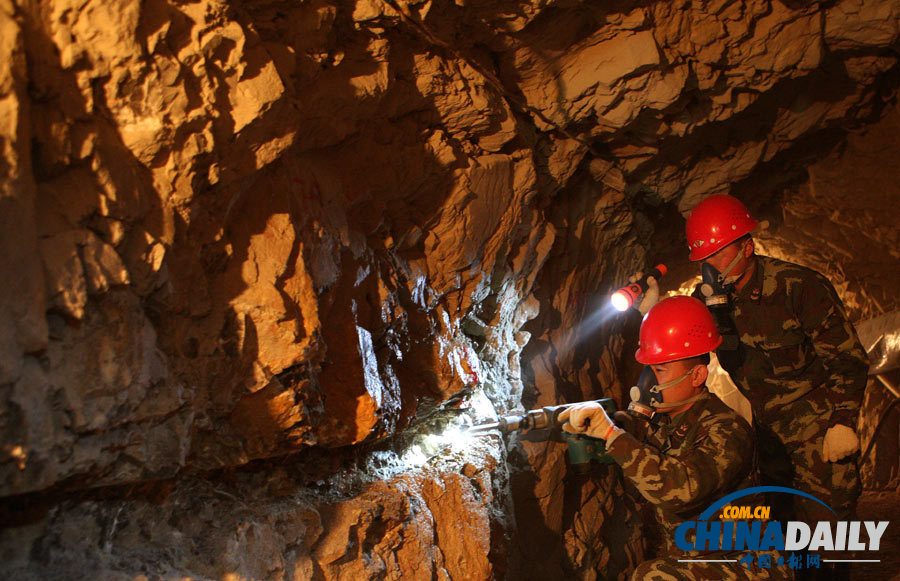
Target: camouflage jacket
{"x":685,"y":465}
{"x":796,"y":342}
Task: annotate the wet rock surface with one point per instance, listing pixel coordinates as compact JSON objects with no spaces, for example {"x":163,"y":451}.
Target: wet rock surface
{"x":238,"y":232}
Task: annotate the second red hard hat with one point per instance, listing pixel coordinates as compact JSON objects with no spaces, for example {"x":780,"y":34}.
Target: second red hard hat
{"x":715,"y":223}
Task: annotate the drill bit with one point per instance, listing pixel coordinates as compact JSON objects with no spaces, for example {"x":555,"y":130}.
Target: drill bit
{"x":483,"y":428}
{"x":505,"y":425}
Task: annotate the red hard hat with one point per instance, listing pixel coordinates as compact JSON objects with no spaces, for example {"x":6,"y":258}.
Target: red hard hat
{"x":715,"y":223}
{"x":677,"y":328}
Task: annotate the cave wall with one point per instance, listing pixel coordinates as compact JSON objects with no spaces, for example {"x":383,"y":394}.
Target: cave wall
{"x":834,"y":222}
{"x":238,"y":231}
{"x":431,"y":523}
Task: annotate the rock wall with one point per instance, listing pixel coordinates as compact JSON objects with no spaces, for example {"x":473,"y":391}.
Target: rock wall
{"x":834,"y":223}
{"x":238,"y":232}
{"x":433,"y":523}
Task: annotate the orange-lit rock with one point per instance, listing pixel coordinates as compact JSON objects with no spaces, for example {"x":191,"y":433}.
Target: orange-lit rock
{"x":233,"y":233}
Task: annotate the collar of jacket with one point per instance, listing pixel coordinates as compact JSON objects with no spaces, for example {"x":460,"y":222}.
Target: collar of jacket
{"x":690,"y":415}
{"x":752,"y":292}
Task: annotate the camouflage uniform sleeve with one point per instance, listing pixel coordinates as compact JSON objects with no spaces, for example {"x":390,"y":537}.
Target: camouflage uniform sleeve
{"x":834,"y":339}
{"x":716,"y":462}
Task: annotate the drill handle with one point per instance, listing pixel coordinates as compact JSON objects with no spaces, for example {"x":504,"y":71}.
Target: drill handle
{"x":553,"y":412}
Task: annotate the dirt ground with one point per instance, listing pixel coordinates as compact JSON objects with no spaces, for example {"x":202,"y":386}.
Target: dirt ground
{"x":880,"y":506}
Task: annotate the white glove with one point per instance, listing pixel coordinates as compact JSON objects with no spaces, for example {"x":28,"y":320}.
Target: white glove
{"x":840,"y":442}
{"x":650,"y":296}
{"x":589,"y":418}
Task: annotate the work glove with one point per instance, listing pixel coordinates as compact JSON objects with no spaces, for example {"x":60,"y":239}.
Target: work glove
{"x":649,"y":297}
{"x":840,"y":442}
{"x":590,"y":419}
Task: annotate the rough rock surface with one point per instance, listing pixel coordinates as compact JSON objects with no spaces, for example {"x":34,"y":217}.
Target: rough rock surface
{"x":432,"y":522}
{"x":235,"y":231}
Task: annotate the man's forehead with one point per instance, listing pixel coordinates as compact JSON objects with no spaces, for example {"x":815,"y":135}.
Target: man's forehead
{"x":722,"y":250}
{"x":669,"y":364}
{"x":678,"y":364}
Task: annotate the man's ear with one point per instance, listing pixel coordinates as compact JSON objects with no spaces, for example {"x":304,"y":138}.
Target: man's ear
{"x":749,"y":248}
{"x":699,"y":375}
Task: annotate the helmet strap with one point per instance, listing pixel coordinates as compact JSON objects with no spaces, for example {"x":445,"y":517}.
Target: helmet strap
{"x":663,"y":386}
{"x":673,"y":383}
{"x":675,"y":404}
{"x":724,"y":278}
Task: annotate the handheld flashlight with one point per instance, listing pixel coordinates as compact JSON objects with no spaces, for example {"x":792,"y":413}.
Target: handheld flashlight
{"x":625,"y":296}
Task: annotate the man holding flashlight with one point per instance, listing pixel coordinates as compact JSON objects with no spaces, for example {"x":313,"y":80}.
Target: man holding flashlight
{"x":791,"y":351}
{"x":701,"y":450}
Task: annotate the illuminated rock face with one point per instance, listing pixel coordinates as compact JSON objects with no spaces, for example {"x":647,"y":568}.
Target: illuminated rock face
{"x":433,"y":522}
{"x":237,"y":231}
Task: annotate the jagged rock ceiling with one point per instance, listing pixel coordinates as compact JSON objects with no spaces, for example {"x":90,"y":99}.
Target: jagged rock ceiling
{"x":238,"y":231}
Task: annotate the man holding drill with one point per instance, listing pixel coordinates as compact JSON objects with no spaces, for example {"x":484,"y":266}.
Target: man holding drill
{"x":790,"y":349}
{"x":701,"y":450}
